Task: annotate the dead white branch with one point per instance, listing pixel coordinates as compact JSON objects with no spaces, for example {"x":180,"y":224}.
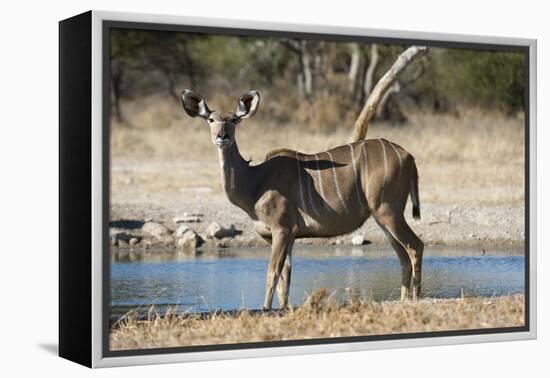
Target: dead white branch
{"x":384,"y":84}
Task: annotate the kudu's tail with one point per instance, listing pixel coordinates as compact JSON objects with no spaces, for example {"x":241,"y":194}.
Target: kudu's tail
{"x":414,"y":192}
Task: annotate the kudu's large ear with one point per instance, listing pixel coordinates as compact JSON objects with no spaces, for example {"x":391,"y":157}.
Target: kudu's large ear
{"x":194,"y":105}
{"x":248,"y":104}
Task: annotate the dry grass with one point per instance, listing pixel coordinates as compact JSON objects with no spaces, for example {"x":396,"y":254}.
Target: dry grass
{"x":160,"y":128}
{"x":321,"y":318}
{"x":459,"y":157}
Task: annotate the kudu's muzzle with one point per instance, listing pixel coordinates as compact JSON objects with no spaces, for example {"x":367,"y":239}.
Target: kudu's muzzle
{"x":222,"y":139}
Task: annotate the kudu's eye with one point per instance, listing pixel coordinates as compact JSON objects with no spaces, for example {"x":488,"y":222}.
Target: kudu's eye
{"x":210,"y":120}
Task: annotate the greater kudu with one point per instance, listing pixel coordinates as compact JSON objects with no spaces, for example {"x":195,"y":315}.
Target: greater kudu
{"x":294,"y":195}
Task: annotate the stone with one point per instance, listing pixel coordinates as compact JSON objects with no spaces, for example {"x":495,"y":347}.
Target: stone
{"x":181,"y":230}
{"x":190,"y":240}
{"x":215,"y":230}
{"x":155,"y":229}
{"x":121,"y":239}
{"x":188,"y":218}
{"x":358,"y":239}
{"x":114,"y":231}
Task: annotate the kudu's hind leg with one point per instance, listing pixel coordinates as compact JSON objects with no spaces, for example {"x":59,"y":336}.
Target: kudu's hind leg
{"x":407,"y":245}
{"x":404,"y":260}
{"x":416,"y":260}
{"x":281,"y":240}
{"x":414,"y":248}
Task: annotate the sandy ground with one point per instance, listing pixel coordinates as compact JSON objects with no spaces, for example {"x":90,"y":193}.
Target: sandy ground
{"x":319,"y":318}
{"x":441,"y":224}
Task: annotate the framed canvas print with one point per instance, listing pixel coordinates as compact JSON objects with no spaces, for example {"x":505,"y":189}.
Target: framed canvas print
{"x":232,"y":189}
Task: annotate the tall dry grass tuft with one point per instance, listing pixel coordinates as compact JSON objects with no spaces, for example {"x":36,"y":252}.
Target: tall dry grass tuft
{"x":319,"y":317}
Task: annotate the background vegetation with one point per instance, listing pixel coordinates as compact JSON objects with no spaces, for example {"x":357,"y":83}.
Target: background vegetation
{"x":316,"y":83}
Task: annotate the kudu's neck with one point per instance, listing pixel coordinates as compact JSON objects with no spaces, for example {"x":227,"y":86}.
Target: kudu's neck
{"x":237,"y":178}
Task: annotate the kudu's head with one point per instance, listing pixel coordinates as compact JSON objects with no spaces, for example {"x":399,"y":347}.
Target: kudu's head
{"x":222,"y":125}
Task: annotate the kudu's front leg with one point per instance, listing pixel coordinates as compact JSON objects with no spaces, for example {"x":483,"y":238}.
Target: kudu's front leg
{"x":283,"y":287}
{"x":282,"y":240}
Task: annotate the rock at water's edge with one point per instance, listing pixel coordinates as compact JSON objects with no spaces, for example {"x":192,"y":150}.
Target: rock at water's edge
{"x":358,"y":239}
{"x":217,"y":231}
{"x":190,"y":240}
{"x":155,"y":229}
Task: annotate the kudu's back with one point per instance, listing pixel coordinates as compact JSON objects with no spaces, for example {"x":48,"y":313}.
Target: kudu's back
{"x":336,"y":190}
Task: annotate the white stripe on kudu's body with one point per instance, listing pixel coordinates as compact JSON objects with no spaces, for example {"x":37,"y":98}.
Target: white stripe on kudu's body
{"x":336,"y":184}
{"x":357,"y":182}
{"x":399,"y":161}
{"x":310,"y":196}
{"x":267,"y":193}
{"x":364,"y":149}
{"x":385,"y":171}
{"x":300,"y":187}
{"x":323,"y":198}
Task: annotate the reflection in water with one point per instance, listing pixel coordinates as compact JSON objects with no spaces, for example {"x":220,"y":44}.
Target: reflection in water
{"x":233,"y":278}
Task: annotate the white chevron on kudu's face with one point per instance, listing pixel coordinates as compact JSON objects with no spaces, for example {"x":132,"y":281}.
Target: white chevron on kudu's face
{"x":294,"y":195}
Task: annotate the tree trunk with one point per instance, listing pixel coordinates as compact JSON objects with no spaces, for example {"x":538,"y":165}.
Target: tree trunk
{"x":353,"y":73}
{"x":383,"y":85}
{"x":395,"y":88}
{"x":304,"y":75}
{"x":116,"y":80}
{"x":371,"y":69}
{"x":171,"y":84}
{"x":306,"y":69}
{"x":190,"y":68}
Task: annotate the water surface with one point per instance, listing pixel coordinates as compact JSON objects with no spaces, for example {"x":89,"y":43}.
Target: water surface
{"x":230,"y":279}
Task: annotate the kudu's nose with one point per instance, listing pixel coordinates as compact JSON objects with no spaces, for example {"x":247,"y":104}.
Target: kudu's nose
{"x":222,"y":138}
{"x":222,"y":135}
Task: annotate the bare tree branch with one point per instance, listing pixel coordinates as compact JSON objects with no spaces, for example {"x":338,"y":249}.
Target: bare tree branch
{"x":384,"y":84}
